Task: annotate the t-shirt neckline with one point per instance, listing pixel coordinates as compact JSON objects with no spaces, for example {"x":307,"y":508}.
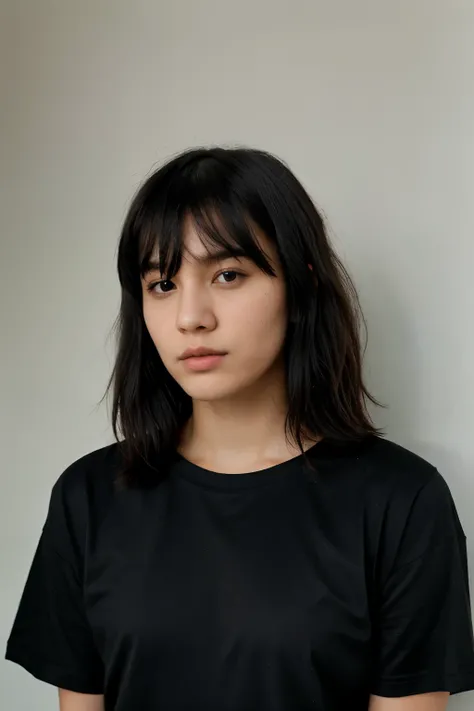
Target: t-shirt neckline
{"x":220,"y":480}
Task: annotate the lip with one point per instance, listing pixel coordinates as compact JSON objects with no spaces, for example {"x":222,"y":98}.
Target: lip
{"x":200,"y":353}
{"x":204,"y":362}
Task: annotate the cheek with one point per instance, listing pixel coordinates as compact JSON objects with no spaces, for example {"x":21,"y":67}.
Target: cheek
{"x":158,"y":328}
{"x":262,"y":316}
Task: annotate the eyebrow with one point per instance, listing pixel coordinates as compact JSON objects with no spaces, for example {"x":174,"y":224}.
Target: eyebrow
{"x":203,"y":259}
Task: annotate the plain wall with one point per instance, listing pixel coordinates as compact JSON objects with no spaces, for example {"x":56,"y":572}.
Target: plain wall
{"x":372,"y":105}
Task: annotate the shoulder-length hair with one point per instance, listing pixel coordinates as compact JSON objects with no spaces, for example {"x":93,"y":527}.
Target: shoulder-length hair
{"x":225,"y":190}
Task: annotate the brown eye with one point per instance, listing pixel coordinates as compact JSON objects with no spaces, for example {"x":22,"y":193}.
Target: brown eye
{"x":165,"y":287}
{"x":230,"y":276}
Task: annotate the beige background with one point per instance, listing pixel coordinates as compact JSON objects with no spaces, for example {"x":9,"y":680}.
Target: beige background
{"x":372,"y":104}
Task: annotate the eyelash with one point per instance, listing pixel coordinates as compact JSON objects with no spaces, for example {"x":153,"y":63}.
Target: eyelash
{"x":151,"y":286}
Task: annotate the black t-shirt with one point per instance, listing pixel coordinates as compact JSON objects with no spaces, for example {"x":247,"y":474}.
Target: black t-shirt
{"x":287,"y":589}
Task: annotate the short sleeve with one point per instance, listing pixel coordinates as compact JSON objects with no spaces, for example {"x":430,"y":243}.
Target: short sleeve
{"x":423,"y":629}
{"x":51,"y":637}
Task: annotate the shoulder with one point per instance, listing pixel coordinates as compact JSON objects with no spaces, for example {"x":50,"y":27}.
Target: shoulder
{"x":84,"y":491}
{"x":389,"y":469}
{"x":397,"y":479}
{"x":95,"y":469}
{"x":408,"y":501}
{"x":375,"y":466}
{"x":385,"y":480}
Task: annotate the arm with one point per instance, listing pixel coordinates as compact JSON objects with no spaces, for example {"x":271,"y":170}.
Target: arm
{"x":72,"y":701}
{"x":421,"y":702}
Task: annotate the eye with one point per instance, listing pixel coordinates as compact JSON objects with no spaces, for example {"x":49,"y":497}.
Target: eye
{"x":230,"y":276}
{"x":165,"y":287}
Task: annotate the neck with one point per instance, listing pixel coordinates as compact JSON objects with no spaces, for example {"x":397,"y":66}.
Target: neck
{"x":241,"y":433}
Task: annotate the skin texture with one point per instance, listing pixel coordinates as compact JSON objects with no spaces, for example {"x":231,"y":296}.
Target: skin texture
{"x":423,"y":702}
{"x":72,"y":701}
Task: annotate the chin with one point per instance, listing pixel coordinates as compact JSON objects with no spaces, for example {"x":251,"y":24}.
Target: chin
{"x":210,"y":390}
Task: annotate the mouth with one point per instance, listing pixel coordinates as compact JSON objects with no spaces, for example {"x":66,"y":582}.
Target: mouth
{"x":209,"y":361}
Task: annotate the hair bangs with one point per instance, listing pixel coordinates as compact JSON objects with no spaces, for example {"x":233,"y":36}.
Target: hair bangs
{"x":222,"y":225}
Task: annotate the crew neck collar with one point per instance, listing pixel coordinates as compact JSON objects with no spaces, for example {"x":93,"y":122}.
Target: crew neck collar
{"x":321,"y":451}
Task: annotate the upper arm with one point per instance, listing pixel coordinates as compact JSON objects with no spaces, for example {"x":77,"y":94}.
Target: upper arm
{"x":422,"y":631}
{"x":423,"y":702}
{"x":51,"y":636}
{"x":72,"y":701}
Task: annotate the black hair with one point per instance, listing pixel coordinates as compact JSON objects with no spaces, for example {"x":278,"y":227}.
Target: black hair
{"x":225,"y":190}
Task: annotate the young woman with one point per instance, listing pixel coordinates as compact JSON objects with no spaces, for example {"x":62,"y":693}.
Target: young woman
{"x":251,"y":542}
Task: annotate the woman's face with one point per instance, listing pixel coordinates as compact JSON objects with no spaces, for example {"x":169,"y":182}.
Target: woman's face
{"x":229,"y":306}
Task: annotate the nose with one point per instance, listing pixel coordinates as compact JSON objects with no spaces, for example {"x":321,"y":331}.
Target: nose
{"x":195,"y":311}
